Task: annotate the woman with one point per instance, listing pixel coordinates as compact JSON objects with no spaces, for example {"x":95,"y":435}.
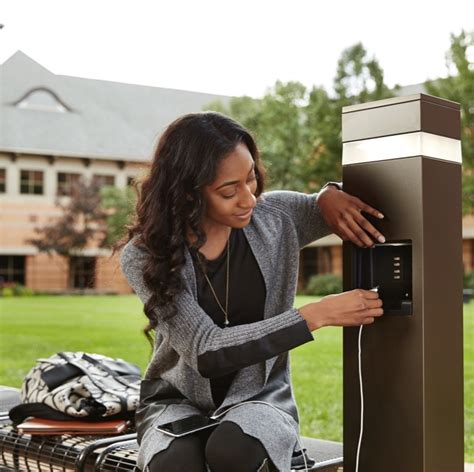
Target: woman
{"x":214,"y":260}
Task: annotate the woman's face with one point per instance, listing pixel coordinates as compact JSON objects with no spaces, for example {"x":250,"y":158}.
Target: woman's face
{"x":231,"y":197}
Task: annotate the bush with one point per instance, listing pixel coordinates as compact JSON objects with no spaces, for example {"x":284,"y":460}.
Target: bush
{"x":6,"y":292}
{"x":15,"y":290}
{"x":21,"y":291}
{"x":324,"y":284}
{"x":469,"y":280}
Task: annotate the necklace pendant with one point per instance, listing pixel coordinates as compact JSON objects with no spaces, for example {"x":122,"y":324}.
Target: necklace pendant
{"x":226,"y":322}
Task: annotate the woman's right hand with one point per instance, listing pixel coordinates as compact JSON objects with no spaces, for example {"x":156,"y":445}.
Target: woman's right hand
{"x":354,"y":308}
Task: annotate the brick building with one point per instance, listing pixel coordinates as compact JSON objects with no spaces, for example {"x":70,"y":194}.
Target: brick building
{"x":55,"y":129}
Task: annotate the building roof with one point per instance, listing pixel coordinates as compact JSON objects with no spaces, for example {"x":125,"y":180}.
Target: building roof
{"x":45,"y":113}
{"x":410,"y":89}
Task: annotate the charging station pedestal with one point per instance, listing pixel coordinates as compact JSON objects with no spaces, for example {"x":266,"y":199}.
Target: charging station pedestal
{"x":402,"y":156}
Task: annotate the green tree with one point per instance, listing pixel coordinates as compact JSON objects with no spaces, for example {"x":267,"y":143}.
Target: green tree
{"x":245,"y":109}
{"x":359,"y":79}
{"x":119,"y":205}
{"x":280,"y":133}
{"x":459,"y":87}
{"x":276,"y":122}
{"x":299,"y":130}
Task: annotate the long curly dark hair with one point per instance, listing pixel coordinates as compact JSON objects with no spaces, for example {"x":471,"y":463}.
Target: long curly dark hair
{"x":170,"y":201}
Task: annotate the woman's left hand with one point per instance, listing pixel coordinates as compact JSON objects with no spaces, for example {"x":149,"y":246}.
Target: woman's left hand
{"x":343,"y":214}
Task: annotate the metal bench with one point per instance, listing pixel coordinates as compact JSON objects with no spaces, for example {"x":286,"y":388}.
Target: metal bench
{"x":105,"y":454}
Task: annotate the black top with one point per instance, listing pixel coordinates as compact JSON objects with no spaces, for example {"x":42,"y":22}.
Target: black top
{"x":246,"y":293}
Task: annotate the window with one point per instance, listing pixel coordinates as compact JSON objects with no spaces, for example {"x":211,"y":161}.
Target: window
{"x":42,"y":99}
{"x":3,"y":180}
{"x":82,"y":272}
{"x":310,"y":262}
{"x":324,"y":260}
{"x":316,"y":260}
{"x":12,"y":269}
{"x":471,"y":268}
{"x":103,"y":180}
{"x":66,"y":181}
{"x":31,"y":182}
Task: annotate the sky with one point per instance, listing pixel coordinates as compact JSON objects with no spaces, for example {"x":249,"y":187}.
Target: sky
{"x":237,"y":47}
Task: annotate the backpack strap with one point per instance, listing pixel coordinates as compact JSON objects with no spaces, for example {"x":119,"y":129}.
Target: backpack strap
{"x":118,"y":376}
{"x":59,"y":375}
{"x":19,"y":413}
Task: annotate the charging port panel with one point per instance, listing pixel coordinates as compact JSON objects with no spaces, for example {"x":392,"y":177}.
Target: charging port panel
{"x":387,"y":266}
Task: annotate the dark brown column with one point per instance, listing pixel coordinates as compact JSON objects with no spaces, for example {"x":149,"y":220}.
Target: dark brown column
{"x":403,"y":157}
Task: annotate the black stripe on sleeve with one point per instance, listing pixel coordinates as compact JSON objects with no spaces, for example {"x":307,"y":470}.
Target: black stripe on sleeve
{"x":228,"y":359}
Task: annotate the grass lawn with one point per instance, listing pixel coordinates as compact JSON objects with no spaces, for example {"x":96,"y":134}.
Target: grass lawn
{"x":33,"y":327}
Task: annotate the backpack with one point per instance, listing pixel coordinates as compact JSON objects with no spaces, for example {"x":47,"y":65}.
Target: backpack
{"x":78,"y":385}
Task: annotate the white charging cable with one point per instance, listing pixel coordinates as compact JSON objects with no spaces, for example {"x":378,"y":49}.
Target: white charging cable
{"x":361,"y":431}
{"x":214,"y":417}
{"x":361,"y":401}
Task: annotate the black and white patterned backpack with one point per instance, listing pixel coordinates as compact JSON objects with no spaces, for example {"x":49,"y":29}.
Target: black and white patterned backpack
{"x":79,"y":385}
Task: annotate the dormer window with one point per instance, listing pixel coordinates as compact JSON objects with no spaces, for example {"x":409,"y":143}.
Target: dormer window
{"x":42,"y":99}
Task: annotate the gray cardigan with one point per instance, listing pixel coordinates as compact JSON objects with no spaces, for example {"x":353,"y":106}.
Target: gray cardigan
{"x":190,"y":348}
